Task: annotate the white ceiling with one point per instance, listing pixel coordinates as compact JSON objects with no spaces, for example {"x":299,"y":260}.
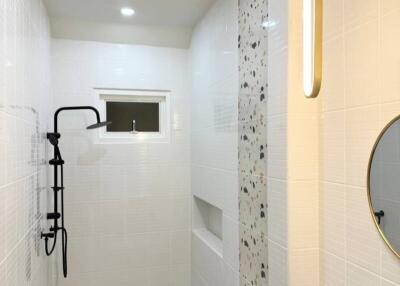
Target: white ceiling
{"x":183,"y":13}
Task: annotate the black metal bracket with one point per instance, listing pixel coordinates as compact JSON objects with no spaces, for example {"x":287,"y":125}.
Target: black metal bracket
{"x":53,"y":215}
{"x":56,"y":162}
{"x":51,"y":134}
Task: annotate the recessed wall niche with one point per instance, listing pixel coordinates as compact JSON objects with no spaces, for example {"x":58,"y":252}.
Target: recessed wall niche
{"x":207,"y":224}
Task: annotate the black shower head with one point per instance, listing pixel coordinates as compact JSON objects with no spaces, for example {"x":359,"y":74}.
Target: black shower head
{"x":99,"y":124}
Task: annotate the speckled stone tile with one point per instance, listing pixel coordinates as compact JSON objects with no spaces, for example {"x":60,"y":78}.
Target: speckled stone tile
{"x":253,"y":254}
{"x":253,"y":107}
{"x":252,"y":145}
{"x":253,"y":136}
{"x":253,"y":202}
{"x":253,"y":46}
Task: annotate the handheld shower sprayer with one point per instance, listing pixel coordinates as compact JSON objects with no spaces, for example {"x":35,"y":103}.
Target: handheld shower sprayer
{"x":58,"y":164}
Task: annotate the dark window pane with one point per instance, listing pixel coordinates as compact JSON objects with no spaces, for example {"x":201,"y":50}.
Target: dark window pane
{"x":121,"y":114}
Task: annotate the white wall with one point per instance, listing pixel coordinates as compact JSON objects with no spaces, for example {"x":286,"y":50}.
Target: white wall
{"x":214,"y":145}
{"x":24,"y":96}
{"x":127,"y":206}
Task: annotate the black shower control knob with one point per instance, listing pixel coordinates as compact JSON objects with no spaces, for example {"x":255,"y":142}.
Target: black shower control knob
{"x":47,"y":235}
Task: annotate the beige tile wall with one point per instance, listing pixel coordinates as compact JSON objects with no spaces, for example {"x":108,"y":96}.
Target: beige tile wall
{"x":360,"y":94}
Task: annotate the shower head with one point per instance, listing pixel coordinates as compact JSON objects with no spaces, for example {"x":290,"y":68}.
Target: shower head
{"x":66,"y":108}
{"x":99,"y":124}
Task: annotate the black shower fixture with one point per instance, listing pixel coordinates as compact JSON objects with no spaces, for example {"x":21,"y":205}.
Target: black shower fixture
{"x":57,"y":162}
{"x":98,"y":125}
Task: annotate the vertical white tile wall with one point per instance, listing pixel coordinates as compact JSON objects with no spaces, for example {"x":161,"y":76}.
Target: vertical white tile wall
{"x":127,"y":205}
{"x":360,"y":95}
{"x":293,"y":150}
{"x":277,"y":178}
{"x":24,"y":97}
{"x":214,"y":147}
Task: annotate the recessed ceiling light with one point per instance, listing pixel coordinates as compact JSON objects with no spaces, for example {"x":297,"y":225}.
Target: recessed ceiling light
{"x":127,"y":12}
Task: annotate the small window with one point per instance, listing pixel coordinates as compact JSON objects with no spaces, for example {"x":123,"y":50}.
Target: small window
{"x":136,"y":115}
{"x":133,"y":116}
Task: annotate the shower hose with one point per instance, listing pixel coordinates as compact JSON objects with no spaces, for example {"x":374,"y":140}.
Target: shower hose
{"x":64,"y":234}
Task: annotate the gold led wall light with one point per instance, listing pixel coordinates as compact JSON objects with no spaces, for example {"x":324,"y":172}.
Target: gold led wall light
{"x":312,"y":47}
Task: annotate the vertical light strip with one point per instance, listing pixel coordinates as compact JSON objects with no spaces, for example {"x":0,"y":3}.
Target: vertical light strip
{"x":312,"y":47}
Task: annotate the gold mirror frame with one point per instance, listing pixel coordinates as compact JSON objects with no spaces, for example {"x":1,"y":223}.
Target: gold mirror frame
{"x":369,"y":185}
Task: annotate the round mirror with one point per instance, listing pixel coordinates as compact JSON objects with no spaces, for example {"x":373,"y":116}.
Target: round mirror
{"x":384,"y":184}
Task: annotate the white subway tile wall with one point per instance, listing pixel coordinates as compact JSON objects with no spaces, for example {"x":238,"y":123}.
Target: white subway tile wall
{"x":24,"y":97}
{"x":214,"y":145}
{"x":127,"y":205}
{"x":277,"y":121}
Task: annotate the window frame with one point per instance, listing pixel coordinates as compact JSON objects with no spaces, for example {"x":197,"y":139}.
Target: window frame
{"x":162,"y":97}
